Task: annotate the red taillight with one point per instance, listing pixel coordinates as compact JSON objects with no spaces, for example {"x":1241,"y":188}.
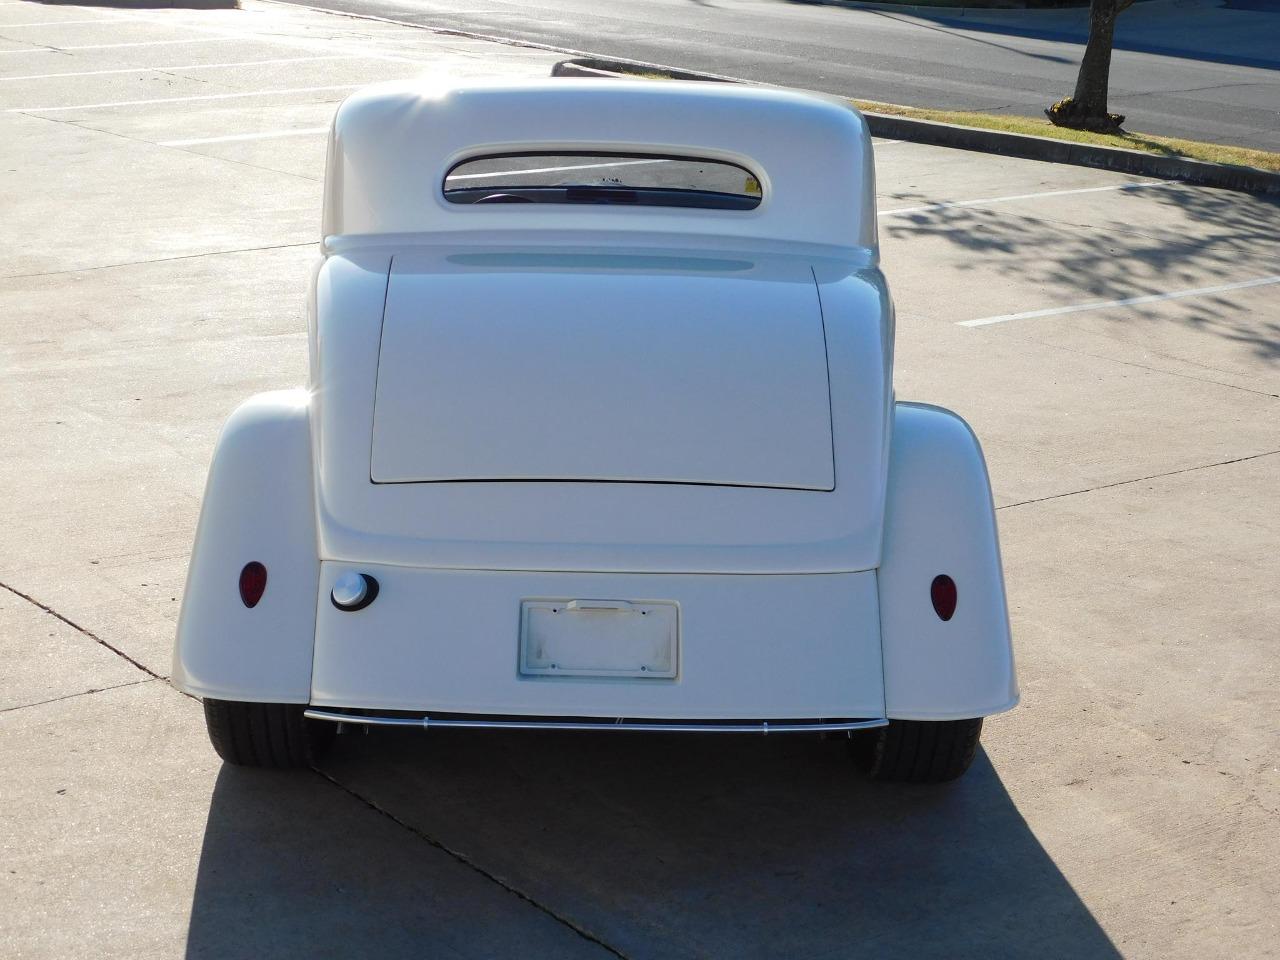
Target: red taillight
{"x":943,"y":594}
{"x":253,"y":582}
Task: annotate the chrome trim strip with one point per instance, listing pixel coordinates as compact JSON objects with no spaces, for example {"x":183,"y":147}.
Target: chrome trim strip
{"x":648,"y":726}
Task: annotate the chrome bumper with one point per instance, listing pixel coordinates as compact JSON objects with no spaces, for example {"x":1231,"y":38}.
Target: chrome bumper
{"x":621,"y":723}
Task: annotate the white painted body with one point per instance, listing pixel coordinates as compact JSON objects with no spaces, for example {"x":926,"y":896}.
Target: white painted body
{"x":598,"y":413}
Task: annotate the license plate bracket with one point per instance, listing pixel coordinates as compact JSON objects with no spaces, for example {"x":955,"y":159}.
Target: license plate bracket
{"x":599,"y":638}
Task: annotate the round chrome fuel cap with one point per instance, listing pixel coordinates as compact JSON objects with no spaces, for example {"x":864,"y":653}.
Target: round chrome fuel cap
{"x":354,"y":591}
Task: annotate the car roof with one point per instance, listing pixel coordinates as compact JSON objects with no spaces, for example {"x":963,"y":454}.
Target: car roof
{"x":392,"y":145}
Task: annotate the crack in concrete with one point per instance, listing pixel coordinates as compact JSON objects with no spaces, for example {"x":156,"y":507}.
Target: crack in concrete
{"x":34,"y":45}
{"x":152,"y":143}
{"x":1148,"y":367}
{"x":468,"y":862}
{"x":1154,"y":476}
{"x":87,"y":632}
{"x":82,"y":693}
{"x":183,"y":76}
{"x":141,"y":263}
{"x":1129,"y":230}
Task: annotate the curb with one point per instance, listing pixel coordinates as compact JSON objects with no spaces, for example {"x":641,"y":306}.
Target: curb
{"x":955,"y":10}
{"x":1025,"y":146}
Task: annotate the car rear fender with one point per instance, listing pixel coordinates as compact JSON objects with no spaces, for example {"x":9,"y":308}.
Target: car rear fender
{"x":258,"y":506}
{"x":940,"y":521}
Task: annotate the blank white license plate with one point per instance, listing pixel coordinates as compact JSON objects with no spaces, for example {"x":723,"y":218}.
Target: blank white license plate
{"x":599,"y":638}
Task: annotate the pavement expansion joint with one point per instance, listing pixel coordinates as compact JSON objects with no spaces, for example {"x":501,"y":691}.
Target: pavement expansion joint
{"x":1145,"y":366}
{"x":1154,"y":476}
{"x":82,"y":693}
{"x":152,"y":143}
{"x":142,"y":263}
{"x":468,"y":862}
{"x":88,"y":633}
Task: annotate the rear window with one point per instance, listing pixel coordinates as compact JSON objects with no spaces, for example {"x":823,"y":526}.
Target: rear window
{"x":603,"y":178}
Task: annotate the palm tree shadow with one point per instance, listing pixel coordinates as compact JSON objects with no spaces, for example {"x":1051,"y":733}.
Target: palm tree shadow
{"x":672,"y":846}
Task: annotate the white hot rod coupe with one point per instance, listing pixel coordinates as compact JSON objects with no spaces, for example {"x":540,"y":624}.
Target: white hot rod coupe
{"x":600,"y":434}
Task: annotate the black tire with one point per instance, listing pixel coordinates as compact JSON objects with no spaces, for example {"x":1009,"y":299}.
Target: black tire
{"x":273,"y":735}
{"x":919,"y":751}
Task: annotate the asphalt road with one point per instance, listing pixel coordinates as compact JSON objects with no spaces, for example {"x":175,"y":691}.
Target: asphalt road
{"x":1189,"y":68}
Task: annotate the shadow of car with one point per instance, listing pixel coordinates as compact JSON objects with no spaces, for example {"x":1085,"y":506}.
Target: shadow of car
{"x":659,"y":846}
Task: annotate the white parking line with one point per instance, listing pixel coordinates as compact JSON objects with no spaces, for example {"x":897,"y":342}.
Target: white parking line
{"x":205,"y":96}
{"x":185,"y":66}
{"x":57,"y":23}
{"x":1141,"y":185}
{"x":233,"y":138}
{"x":1126,"y":302}
{"x":224,"y":36}
{"x":48,"y":48}
{"x":302,"y":43}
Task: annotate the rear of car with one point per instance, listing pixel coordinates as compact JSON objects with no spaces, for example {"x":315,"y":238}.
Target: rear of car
{"x":600,"y":433}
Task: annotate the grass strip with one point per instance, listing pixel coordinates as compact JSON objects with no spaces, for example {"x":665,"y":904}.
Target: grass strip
{"x":1041,"y":127}
{"x":1147,"y":143}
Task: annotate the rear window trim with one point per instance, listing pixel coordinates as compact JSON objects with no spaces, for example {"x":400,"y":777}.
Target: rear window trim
{"x":726,"y":207}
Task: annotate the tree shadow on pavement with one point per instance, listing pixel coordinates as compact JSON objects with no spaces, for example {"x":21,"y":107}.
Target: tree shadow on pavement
{"x":1152,"y":241}
{"x":940,"y":26}
{"x":659,"y":846}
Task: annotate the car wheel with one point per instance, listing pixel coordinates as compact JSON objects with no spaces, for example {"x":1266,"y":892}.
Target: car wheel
{"x":919,"y":751}
{"x":274,"y":735}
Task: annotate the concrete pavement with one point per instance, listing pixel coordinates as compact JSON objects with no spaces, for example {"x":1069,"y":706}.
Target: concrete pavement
{"x":153,"y":275}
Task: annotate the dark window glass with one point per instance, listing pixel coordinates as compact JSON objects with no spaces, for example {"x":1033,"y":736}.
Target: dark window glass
{"x":603,"y":178}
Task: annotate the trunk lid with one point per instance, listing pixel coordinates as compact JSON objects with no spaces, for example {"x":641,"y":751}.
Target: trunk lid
{"x":603,"y":368}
